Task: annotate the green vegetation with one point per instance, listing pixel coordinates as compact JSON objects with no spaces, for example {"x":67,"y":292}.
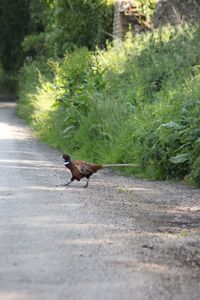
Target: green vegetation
{"x":138,"y":102}
{"x":48,"y":28}
{"x":14,"y":20}
{"x":61,"y":25}
{"x":135,"y":102}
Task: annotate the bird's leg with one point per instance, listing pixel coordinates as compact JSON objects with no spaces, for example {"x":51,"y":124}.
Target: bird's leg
{"x":67,"y":183}
{"x":72,"y":179}
{"x":87,"y":182}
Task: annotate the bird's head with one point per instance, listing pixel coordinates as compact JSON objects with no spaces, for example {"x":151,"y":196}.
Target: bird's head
{"x":66,"y":158}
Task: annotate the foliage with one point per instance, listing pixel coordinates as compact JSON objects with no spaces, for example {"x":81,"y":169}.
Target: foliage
{"x":50,"y":28}
{"x":147,"y":7}
{"x":62,"y":25}
{"x":135,"y":102}
{"x":14,"y":22}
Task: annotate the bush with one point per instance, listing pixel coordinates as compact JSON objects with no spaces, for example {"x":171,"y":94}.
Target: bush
{"x":138,"y":102}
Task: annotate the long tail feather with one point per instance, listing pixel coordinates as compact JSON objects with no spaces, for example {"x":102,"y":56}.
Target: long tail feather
{"x":120,"y":165}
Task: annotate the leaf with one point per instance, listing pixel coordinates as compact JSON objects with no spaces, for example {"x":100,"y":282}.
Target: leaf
{"x":68,"y":129}
{"x":171,"y":124}
{"x":180,"y":158}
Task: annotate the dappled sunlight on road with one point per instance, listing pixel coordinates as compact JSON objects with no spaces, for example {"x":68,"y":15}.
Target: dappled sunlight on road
{"x":184,"y":209}
{"x":28,"y":164}
{"x":8,"y":132}
{"x":116,"y":233}
{"x":40,"y":163}
{"x":29,"y":168}
{"x":8,"y":295}
{"x":152,"y":268}
{"x":7,"y":105}
{"x":145,"y":267}
{"x":13,"y":152}
{"x":88,"y":241}
{"x":133,"y":189}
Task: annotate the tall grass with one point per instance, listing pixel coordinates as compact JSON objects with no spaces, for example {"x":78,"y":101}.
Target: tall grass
{"x":138,"y":102}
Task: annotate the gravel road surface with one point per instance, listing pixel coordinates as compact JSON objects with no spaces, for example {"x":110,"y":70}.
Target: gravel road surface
{"x":119,"y":239}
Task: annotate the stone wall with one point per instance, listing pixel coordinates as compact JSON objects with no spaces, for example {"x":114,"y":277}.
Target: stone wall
{"x":177,"y":12}
{"x":127,"y":16}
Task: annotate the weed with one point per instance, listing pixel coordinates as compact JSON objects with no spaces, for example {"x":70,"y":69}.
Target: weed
{"x":136,"y":102}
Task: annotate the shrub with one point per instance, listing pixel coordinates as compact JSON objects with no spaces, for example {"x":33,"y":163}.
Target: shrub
{"x":137,"y":102}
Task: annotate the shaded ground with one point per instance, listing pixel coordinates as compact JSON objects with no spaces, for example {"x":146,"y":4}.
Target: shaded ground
{"x":121,"y":238}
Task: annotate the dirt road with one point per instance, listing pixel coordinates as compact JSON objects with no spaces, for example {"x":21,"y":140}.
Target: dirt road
{"x":119,"y":239}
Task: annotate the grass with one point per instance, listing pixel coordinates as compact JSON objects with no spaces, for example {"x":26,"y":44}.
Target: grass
{"x":137,"y":102}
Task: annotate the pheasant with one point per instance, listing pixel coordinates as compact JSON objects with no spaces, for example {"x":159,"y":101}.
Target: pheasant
{"x":80,"y":168}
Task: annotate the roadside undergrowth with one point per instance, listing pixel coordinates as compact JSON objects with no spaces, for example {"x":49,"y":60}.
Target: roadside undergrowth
{"x":135,"y":102}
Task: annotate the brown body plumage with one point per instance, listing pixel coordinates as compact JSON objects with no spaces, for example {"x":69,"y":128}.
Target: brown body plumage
{"x":80,"y":169}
